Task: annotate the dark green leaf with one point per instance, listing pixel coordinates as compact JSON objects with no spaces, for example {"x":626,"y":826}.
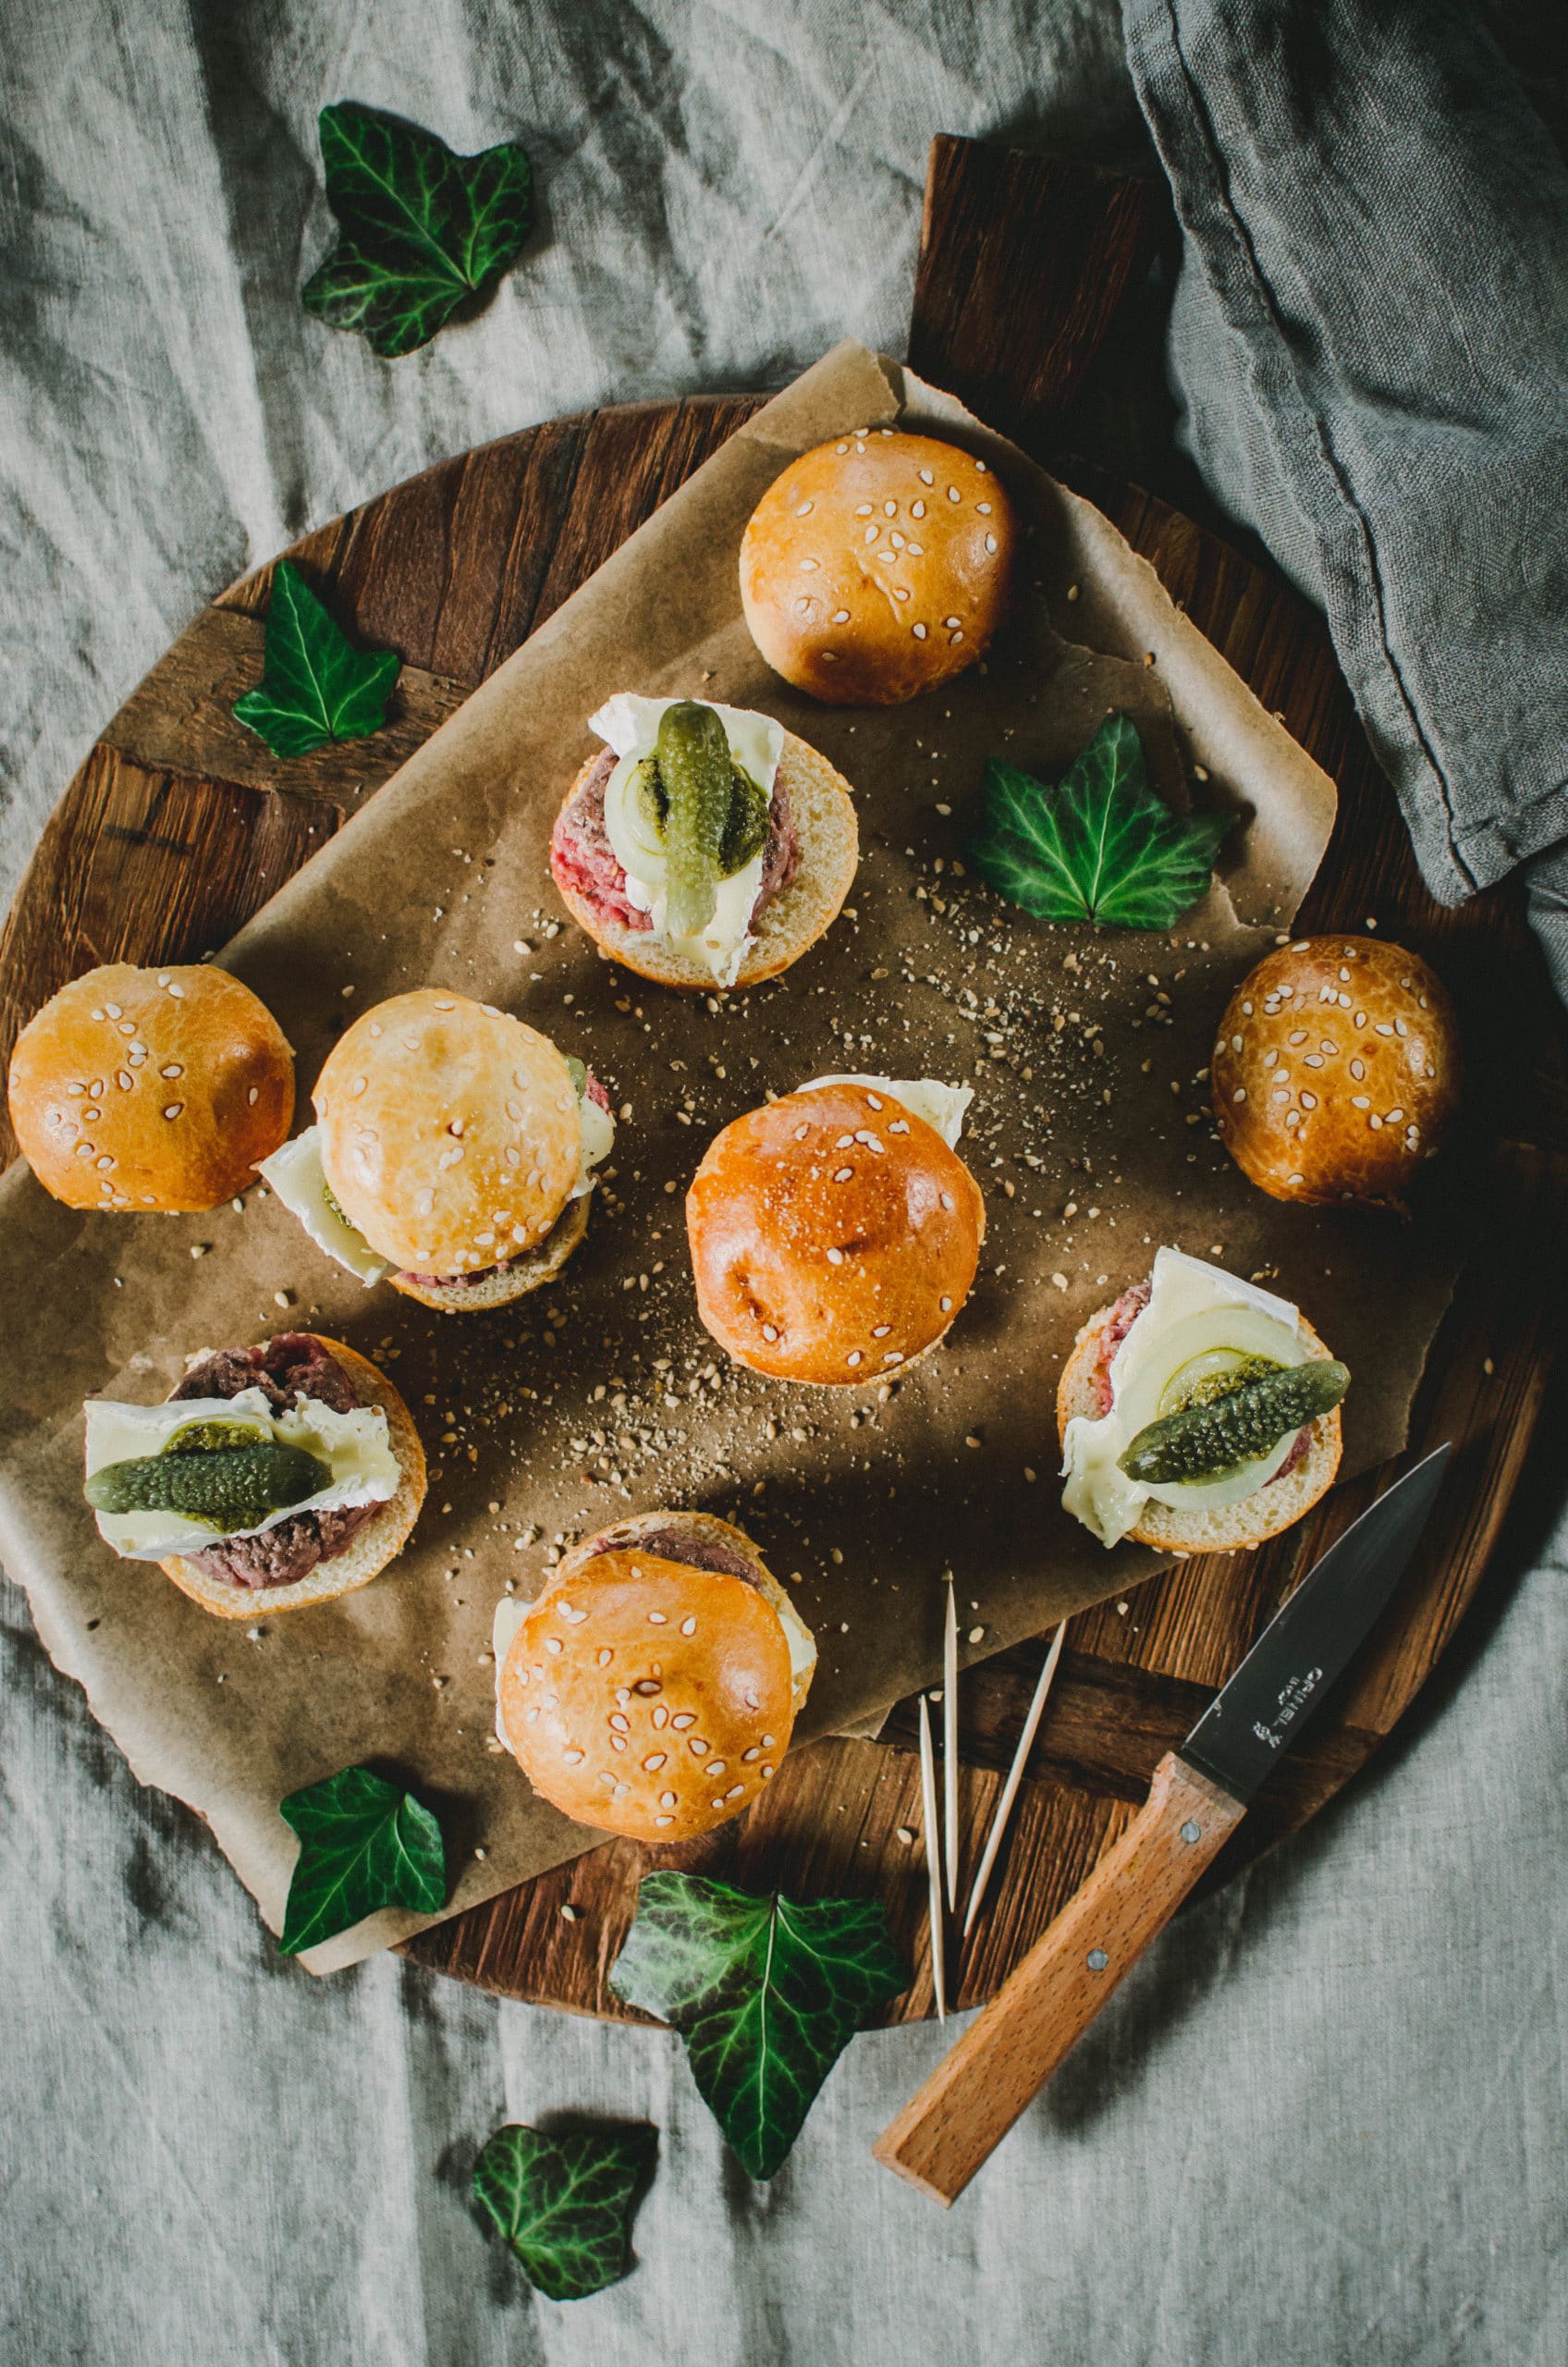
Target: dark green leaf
{"x":315,"y":685}
{"x":766,"y":1994}
{"x":422,"y":229}
{"x":564,"y":2203}
{"x":362,"y":1844}
{"x":1100,"y":846}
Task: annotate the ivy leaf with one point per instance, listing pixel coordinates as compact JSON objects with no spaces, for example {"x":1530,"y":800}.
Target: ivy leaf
{"x":362,"y":1844}
{"x":315,"y":685}
{"x":767,"y":1994}
{"x":1100,"y":846}
{"x":422,"y":229}
{"x":564,"y":2203}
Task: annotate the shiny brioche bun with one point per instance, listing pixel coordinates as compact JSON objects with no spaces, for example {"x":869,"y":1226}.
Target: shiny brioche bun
{"x":876,"y":567}
{"x":1336,"y":1071}
{"x":834,"y":1236}
{"x":137,"y":1089}
{"x":450,"y":1133}
{"x":365,"y":1556}
{"x":822,"y":809}
{"x":647,"y":1696}
{"x":1230,"y":1529}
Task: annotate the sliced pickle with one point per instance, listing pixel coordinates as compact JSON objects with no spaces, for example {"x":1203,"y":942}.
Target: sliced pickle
{"x":695,"y":768}
{"x":227,"y":1488}
{"x":1206,"y":1441}
{"x":1214,"y":1374}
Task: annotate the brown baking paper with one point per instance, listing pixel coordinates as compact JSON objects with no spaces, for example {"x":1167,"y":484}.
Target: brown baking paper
{"x":1088,"y":1133}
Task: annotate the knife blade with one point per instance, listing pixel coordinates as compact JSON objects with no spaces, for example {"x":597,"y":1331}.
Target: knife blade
{"x":1199,"y":1794}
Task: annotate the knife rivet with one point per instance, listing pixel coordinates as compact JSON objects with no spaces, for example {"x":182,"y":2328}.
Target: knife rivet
{"x":1098,"y":1959}
{"x":1190,"y":1832}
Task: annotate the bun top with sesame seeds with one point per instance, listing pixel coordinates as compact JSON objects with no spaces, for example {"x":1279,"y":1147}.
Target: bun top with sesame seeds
{"x":834,"y":1235}
{"x":450,"y":1133}
{"x":1336,"y":1071}
{"x":877,"y":566}
{"x":649,"y":1695}
{"x":135,"y":1090}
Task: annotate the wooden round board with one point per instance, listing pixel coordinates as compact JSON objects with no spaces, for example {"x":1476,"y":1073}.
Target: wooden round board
{"x":180,"y":825}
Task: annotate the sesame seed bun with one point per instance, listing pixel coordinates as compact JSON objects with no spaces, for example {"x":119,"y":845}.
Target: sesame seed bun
{"x":365,"y":1556}
{"x":1336,"y":1071}
{"x":450,"y":1138}
{"x":876,"y":567}
{"x":1235,"y":1529}
{"x":647,"y":1696}
{"x":822,"y":809}
{"x":834,"y":1236}
{"x":151,"y":1089}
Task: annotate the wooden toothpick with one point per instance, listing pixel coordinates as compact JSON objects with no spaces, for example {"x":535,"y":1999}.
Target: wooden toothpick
{"x":950,"y":1744}
{"x":1014,"y":1777}
{"x":933,"y":1859}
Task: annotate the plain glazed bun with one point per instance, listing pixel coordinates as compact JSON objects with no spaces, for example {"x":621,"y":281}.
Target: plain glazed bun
{"x":365,"y":1556}
{"x":1336,"y":1071}
{"x":1236,"y":1528}
{"x":834,"y":1236}
{"x":822,"y":809}
{"x":137,"y":1089}
{"x":876,"y":567}
{"x":646,"y":1696}
{"x":450,"y":1133}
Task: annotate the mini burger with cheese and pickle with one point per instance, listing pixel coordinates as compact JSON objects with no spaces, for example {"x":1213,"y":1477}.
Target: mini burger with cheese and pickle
{"x":705,"y":846}
{"x":453,"y":1154}
{"x":272,"y":1477}
{"x":1197,"y":1413}
{"x":835,"y":1233}
{"x":652,"y":1688}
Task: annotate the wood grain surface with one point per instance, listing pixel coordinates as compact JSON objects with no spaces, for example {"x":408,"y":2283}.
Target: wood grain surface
{"x":180,"y":825}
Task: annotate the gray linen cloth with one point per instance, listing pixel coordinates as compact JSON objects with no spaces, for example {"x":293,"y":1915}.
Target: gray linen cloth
{"x":1324,"y":2122}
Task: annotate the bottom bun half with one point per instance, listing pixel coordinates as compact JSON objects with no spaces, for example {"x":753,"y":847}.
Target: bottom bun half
{"x":1238,"y":1528}
{"x":366,"y":1555}
{"x":513,"y":1280}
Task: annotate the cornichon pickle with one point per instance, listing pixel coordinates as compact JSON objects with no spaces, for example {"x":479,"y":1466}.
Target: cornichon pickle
{"x":695,"y":768}
{"x":710,"y":814}
{"x":230,"y":1488}
{"x":201,"y":1438}
{"x":1204,"y":1441}
{"x":1215,"y":1385}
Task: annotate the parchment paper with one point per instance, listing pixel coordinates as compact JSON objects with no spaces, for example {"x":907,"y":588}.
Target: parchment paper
{"x":1089,"y":1134}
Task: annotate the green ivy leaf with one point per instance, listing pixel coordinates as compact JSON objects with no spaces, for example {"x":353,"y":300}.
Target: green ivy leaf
{"x":564,"y":2203}
{"x":423,"y":228}
{"x":362,"y":1844}
{"x":1101,"y":846}
{"x":767,"y":1994}
{"x":315,"y":685}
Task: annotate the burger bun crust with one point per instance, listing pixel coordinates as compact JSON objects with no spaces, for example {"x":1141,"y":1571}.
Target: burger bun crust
{"x":1336,"y":1071}
{"x":647,"y":1697}
{"x":825,"y":1259}
{"x":876,"y":567}
{"x":449,"y":1130}
{"x":140,"y":1090}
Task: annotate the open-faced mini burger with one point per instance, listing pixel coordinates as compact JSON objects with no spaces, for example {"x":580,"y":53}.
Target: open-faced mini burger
{"x":1336,"y":1071}
{"x":1197,"y":1413}
{"x":703,"y":846}
{"x":835,"y":1233}
{"x":652,"y":1687}
{"x":877,"y":566}
{"x":151,"y":1089}
{"x":271,"y":1479}
{"x":453,"y":1153}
